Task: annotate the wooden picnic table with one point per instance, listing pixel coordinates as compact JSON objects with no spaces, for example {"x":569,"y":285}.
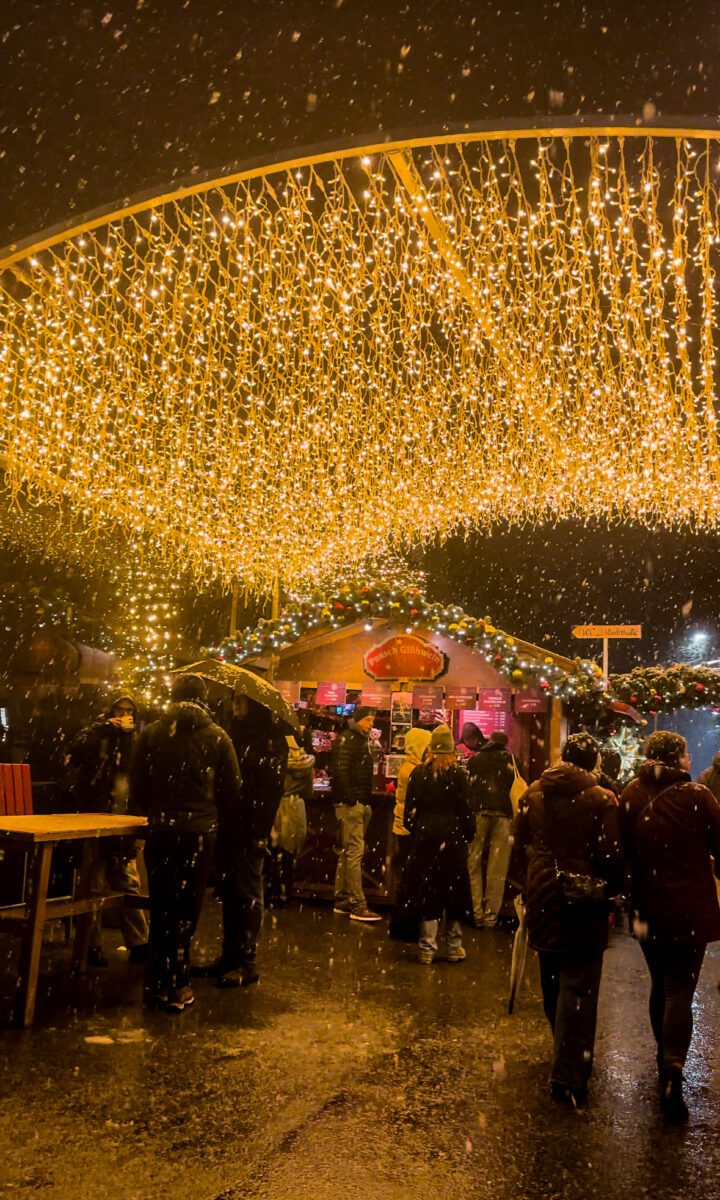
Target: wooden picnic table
{"x":38,"y":835}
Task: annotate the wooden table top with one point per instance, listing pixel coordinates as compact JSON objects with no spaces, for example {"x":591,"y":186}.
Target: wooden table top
{"x":59,"y":827}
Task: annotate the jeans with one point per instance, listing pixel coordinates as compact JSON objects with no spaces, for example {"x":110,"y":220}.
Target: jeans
{"x":570,"y":987}
{"x":241,"y":889}
{"x":429,"y":935}
{"x":178,"y":863}
{"x":114,"y":874}
{"x":674,"y":972}
{"x":492,"y":833}
{"x":353,"y":821}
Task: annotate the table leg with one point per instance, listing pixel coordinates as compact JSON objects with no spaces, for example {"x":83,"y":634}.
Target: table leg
{"x":31,"y":945}
{"x":83,"y":922}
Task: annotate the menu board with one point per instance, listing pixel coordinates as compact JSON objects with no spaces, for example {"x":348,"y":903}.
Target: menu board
{"x":331,"y":695}
{"x":460,"y":697}
{"x":488,"y":720}
{"x":375,"y":696}
{"x":531,"y":700}
{"x":288,"y":689}
{"x":499,"y":699}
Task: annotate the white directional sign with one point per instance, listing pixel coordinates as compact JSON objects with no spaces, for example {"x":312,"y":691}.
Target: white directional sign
{"x":607,"y":631}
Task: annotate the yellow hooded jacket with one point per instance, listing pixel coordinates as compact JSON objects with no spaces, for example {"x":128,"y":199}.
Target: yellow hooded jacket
{"x":416,"y":743}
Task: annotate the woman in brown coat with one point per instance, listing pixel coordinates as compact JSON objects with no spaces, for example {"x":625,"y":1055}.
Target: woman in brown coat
{"x":672,"y":827}
{"x":567,"y":823}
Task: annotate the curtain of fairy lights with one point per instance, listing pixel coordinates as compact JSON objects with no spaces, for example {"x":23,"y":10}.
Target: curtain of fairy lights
{"x":281,"y":376}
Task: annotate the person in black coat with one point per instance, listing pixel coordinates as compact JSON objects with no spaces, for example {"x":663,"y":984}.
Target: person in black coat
{"x":567,"y":823}
{"x":351,"y":772}
{"x":492,"y":774}
{"x":672,"y":837}
{"x":184,"y":778}
{"x":440,"y":823}
{"x":99,"y":760}
{"x":244,"y":835}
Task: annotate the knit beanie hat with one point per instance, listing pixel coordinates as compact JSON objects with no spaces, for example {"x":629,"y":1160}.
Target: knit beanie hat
{"x":441,"y":740}
{"x":362,"y":711}
{"x":189,"y":688}
{"x":581,"y":749}
{"x":665,"y":747}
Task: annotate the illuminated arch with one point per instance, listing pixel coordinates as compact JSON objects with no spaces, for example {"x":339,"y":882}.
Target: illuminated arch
{"x":278,"y":370}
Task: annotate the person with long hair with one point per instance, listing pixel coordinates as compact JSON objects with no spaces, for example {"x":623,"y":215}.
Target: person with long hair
{"x":672,"y":837}
{"x":441,"y":825}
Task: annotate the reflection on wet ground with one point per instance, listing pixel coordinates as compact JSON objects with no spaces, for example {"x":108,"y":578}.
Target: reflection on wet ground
{"x":350,"y":1071}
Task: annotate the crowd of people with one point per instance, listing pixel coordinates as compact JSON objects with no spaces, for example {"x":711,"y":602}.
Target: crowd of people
{"x":232,"y":801}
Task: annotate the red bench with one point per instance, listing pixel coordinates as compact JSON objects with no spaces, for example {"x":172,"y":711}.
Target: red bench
{"x":15,"y":790}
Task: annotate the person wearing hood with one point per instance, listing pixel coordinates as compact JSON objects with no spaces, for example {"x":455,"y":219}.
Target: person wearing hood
{"x":262,"y":752}
{"x":471,"y":739}
{"x":99,"y":759}
{"x":417,"y":742}
{"x":672,"y":837}
{"x":492,"y":774}
{"x":289,"y":829}
{"x":351,"y":771}
{"x":441,"y":824}
{"x":185,"y":779}
{"x":568,"y":828}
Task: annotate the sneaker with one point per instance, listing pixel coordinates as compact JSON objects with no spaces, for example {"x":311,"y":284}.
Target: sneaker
{"x":672,"y":1101}
{"x":179,"y":999}
{"x":425,"y":958}
{"x":138,"y":954}
{"x":238,"y":977}
{"x":457,"y":954}
{"x":96,"y":958}
{"x":489,"y":921}
{"x":364,"y":914}
{"x":343,"y":907}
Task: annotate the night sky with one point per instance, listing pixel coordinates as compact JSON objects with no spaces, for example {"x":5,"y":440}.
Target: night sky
{"x":101,"y":101}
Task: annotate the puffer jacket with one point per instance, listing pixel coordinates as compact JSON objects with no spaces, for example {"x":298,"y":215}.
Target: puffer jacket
{"x":566,"y":821}
{"x":710,"y":777}
{"x":491,"y":777}
{"x":416,"y":743}
{"x":351,"y":768}
{"x":184,"y":772}
{"x":672,"y":827}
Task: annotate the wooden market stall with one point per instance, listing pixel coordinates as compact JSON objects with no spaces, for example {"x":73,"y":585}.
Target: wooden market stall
{"x":410,"y":678}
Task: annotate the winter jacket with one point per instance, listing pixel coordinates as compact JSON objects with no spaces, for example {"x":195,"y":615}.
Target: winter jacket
{"x":262,"y":753}
{"x":100,"y":760}
{"x":491,"y":777}
{"x":439,"y":820}
{"x":566,"y":821}
{"x":416,"y":743}
{"x":184,"y":773}
{"x":710,"y":778}
{"x":672,"y":827}
{"x":351,"y":768}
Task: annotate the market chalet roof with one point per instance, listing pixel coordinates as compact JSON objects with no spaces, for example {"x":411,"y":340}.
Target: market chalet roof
{"x":287,"y":367}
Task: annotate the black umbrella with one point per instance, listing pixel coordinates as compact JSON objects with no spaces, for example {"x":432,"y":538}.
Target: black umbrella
{"x":244,"y":682}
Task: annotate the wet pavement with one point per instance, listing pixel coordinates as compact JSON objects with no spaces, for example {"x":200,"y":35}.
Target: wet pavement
{"x":349,"y":1072}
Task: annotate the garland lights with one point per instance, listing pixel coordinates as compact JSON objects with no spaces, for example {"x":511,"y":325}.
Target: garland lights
{"x":277,"y":373}
{"x":368,"y":602}
{"x":663,"y":689}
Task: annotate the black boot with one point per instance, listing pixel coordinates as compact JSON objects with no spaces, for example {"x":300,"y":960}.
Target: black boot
{"x":671,"y":1098}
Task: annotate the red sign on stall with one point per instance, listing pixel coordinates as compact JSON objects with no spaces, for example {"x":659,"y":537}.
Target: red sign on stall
{"x":331,"y":695}
{"x":531,"y":700}
{"x":375,"y":697}
{"x":405,"y":656}
{"x":498,"y":699}
{"x":460,"y":697}
{"x":427,"y":699}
